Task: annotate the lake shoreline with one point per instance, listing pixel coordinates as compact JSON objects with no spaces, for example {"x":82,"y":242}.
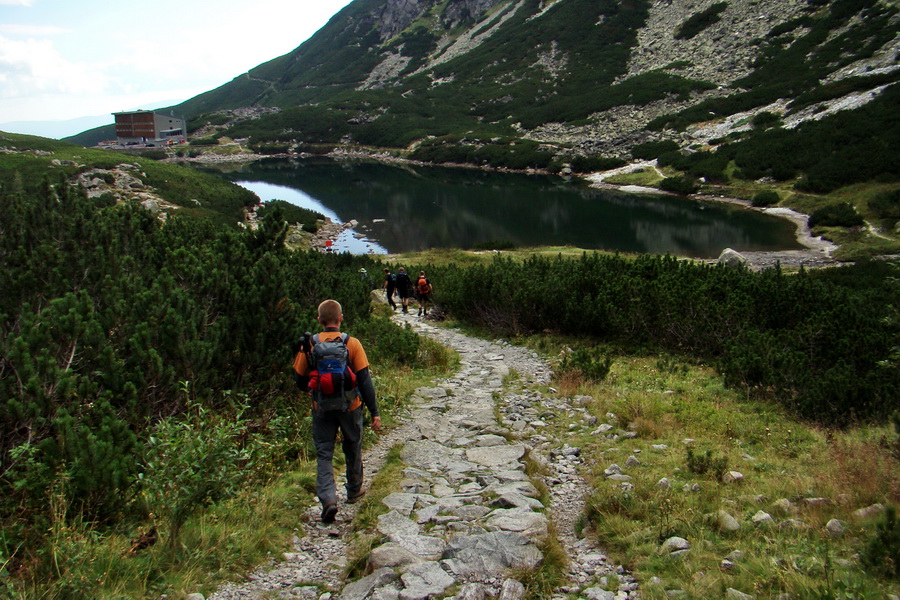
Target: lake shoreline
{"x":816,"y":252}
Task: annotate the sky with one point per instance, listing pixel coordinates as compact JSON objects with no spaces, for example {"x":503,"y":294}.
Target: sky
{"x":64,"y":59}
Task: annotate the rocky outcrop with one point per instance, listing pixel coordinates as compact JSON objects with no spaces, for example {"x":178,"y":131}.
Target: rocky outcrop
{"x":459,"y":12}
{"x":124,"y":184}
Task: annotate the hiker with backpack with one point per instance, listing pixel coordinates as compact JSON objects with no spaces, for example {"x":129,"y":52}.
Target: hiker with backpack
{"x":404,"y":285}
{"x":389,"y":286}
{"x":423,"y":293}
{"x":334,"y":369}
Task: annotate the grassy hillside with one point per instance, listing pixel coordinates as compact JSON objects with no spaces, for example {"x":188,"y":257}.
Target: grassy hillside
{"x":30,"y":160}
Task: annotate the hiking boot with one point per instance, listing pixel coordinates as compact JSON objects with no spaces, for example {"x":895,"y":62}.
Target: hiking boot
{"x":420,"y":313}
{"x":354,"y":498}
{"x":329,"y":512}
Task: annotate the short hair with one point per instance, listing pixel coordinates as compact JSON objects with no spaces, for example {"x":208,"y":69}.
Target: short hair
{"x":330,"y":312}
{"x":387,"y":270}
{"x":402,"y":270}
{"x":421,"y":272}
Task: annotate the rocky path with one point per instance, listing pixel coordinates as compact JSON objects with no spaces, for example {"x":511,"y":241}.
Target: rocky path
{"x":466,"y":517}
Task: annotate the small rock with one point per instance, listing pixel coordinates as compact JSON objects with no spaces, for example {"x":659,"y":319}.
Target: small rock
{"x":733,"y":477}
{"x":834,"y":528}
{"x":762,"y":518}
{"x":869,"y":511}
{"x":735,"y":555}
{"x":726,"y":522}
{"x":793,"y":524}
{"x":785,"y":506}
{"x":195,"y":597}
{"x":597,"y":593}
{"x":632,"y":461}
{"x":817,"y":501}
{"x":512,"y":590}
{"x":733,"y":594}
{"x":612,"y":469}
{"x":674,"y":544}
{"x":663,"y":484}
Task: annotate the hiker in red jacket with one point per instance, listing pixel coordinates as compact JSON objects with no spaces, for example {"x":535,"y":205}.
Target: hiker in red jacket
{"x":423,"y":289}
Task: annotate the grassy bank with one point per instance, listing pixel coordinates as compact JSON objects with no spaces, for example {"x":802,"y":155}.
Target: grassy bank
{"x":686,"y":430}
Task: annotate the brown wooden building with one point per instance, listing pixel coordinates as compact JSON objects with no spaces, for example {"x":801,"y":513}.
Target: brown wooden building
{"x":149,"y":127}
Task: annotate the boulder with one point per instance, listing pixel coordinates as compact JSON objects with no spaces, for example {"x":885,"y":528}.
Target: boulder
{"x":732,"y":259}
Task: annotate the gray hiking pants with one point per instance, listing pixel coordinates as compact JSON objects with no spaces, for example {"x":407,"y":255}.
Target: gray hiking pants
{"x":325,"y":426}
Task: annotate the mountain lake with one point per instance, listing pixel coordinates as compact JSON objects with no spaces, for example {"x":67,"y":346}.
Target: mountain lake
{"x":404,"y":208}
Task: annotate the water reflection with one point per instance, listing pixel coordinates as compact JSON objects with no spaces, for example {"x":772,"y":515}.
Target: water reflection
{"x":407,"y":208}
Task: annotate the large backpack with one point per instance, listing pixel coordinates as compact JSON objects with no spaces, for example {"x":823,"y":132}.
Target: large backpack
{"x":424,"y":286}
{"x":332,"y":382}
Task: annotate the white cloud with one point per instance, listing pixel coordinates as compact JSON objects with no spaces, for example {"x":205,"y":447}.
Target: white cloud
{"x":32,"y":30}
{"x":35,"y":67}
{"x":59,"y":61}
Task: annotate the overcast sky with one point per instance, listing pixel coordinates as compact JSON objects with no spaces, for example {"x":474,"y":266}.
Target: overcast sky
{"x":62,"y":59}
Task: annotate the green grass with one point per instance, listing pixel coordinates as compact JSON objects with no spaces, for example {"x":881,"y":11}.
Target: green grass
{"x":667,"y":400}
{"x":644,"y":177}
{"x":194,"y":192}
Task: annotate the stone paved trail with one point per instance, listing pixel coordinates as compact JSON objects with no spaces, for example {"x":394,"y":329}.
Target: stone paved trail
{"x":466,"y":516}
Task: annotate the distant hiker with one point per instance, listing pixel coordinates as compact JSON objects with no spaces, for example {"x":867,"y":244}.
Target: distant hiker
{"x":404,"y":285}
{"x":423,"y":293}
{"x":390,"y":286}
{"x":334,"y":368}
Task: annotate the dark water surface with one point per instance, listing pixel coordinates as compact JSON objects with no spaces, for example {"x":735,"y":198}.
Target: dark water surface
{"x":407,"y":208}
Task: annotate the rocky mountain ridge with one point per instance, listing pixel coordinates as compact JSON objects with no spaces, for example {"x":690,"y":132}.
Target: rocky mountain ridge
{"x":433,"y":52}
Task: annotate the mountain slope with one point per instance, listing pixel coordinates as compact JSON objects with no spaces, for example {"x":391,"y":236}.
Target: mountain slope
{"x":604,"y":75}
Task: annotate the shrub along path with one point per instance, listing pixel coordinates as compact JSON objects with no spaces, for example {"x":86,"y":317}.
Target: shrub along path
{"x":466,"y":515}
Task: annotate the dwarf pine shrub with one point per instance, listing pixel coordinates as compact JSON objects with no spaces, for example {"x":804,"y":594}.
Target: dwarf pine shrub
{"x":882,"y":553}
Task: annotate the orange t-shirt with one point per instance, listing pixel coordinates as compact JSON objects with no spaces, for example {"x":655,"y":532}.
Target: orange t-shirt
{"x":356,"y":356}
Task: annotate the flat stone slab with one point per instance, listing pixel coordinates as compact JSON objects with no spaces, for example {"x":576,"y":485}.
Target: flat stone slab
{"x":393,"y":523}
{"x":431,"y":456}
{"x":358,"y":590}
{"x":402,"y":502}
{"x":495,"y":456}
{"x":491,"y":554}
{"x":423,"y":546}
{"x":391,"y":555}
{"x":524,"y":521}
{"x":425,"y":580}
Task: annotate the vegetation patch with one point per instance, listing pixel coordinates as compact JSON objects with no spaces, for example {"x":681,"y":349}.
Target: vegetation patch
{"x":700,"y":21}
{"x":819,"y":343}
{"x":786,"y":526}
